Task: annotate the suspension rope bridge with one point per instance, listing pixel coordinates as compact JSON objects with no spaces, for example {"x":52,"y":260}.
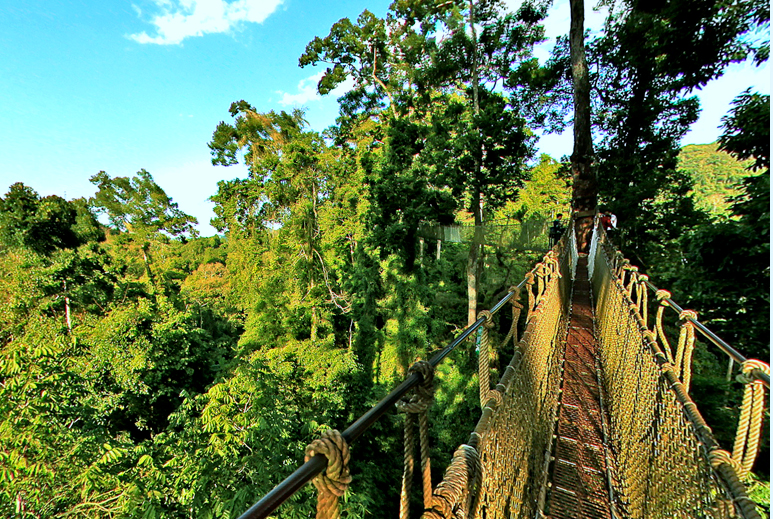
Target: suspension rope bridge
{"x":591,"y":418}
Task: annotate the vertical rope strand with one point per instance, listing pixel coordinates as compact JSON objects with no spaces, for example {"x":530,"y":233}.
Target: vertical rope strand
{"x":417,"y":403}
{"x":747,"y":436}
{"x":484,"y":358}
{"x":662,"y":295}
{"x":408,"y":466}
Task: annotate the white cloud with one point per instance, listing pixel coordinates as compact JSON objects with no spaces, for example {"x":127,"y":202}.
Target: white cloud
{"x":307,"y":91}
{"x":185,"y":18}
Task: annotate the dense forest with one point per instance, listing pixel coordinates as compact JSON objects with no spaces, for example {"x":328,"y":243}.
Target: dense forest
{"x":149,"y":372}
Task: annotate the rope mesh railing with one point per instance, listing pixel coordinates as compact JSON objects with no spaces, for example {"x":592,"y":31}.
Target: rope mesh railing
{"x":326,"y":459}
{"x":498,"y":473}
{"x":668,"y":462}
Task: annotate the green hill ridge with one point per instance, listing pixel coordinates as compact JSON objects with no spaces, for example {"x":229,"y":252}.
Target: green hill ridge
{"x":716,"y":175}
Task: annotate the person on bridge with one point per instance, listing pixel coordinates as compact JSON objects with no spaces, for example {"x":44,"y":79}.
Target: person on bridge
{"x":557,"y":230}
{"x":608,"y":223}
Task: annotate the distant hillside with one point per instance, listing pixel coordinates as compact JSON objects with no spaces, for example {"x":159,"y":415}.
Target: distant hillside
{"x":716,"y":175}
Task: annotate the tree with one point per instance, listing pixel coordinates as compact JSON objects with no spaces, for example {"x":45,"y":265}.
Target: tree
{"x":584,"y":190}
{"x":427,"y":72}
{"x":746,"y":132}
{"x":44,"y":225}
{"x":140,"y":207}
{"x":728,"y":263}
{"x":650,"y":59}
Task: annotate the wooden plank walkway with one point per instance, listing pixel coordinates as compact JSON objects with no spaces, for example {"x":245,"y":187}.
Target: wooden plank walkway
{"x":578,"y":476}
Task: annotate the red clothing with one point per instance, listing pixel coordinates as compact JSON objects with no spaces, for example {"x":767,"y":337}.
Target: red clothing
{"x":606,"y":221}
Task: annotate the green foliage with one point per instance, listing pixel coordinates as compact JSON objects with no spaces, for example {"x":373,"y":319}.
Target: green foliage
{"x":727,"y":264}
{"x":139,"y":205}
{"x":747,"y":129}
{"x":44,"y":225}
{"x":145,"y":353}
{"x":158,"y":374}
{"x":716,"y":176}
{"x":545,"y":194}
{"x":759,"y":492}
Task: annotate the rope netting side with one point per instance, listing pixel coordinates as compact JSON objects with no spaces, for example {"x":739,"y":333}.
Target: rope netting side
{"x":490,"y":475}
{"x":668,"y":463}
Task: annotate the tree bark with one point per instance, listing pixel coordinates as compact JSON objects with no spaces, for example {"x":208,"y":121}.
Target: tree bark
{"x":473,"y":262}
{"x":584,"y":187}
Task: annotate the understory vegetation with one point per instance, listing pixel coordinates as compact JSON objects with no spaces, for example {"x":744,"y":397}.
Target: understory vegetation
{"x":149,"y":372}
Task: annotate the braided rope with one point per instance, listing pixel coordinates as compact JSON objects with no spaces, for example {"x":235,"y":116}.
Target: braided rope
{"x":517,"y":307}
{"x":618,"y":263}
{"x":417,"y":404}
{"x":643,"y":303}
{"x":633,"y":271}
{"x":458,"y":488}
{"x":722,"y":462}
{"x":541,"y":275}
{"x":747,"y":437}
{"x":662,"y":295}
{"x":408,"y":465}
{"x":426,"y":469}
{"x":332,"y":483}
{"x":484,"y":358}
{"x":685,"y":347}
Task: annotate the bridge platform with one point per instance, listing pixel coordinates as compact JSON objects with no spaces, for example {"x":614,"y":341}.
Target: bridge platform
{"x":578,"y":475}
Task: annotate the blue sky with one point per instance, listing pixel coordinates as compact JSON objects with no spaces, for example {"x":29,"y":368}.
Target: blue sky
{"x":123,"y":85}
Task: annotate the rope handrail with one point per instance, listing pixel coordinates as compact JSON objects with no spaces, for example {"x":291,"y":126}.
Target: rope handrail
{"x":729,"y":469}
{"x":618,"y":262}
{"x":316,"y":464}
{"x":725,"y":347}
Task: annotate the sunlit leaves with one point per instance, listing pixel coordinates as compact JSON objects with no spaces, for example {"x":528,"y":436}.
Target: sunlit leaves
{"x":139,"y":205}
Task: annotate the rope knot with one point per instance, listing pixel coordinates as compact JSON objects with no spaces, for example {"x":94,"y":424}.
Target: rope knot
{"x":684,"y":315}
{"x":336,"y":478}
{"x":662,"y":295}
{"x":719,"y":457}
{"x":497,"y":396}
{"x":529,"y":278}
{"x":423,"y":394}
{"x":643,"y":278}
{"x":489,"y":322}
{"x":748,"y":367}
{"x":650,"y":336}
{"x":441,"y":508}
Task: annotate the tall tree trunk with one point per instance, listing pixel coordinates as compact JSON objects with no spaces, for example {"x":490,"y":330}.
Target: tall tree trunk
{"x":473,"y":262}
{"x":474,"y":257}
{"x":584,"y":188}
